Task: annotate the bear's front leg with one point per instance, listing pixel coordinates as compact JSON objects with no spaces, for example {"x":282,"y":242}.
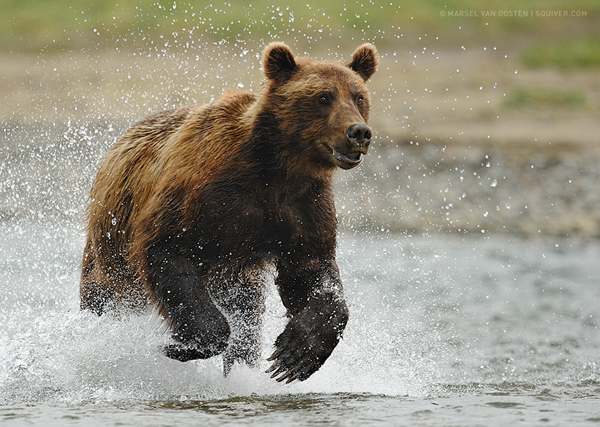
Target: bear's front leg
{"x":314,"y":299}
{"x":198,"y":326}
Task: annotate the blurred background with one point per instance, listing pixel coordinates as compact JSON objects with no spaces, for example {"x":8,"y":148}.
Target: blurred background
{"x":486,"y":113}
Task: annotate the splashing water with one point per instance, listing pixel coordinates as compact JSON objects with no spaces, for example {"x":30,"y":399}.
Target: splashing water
{"x":52,"y":352}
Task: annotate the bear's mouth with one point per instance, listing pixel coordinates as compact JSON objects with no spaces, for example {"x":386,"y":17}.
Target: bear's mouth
{"x":345,"y":161}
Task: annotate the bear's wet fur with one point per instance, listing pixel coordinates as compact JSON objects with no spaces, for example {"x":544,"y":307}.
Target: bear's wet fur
{"x":193,"y":207}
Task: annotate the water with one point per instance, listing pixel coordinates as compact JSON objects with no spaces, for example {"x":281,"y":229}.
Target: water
{"x":445,"y":330}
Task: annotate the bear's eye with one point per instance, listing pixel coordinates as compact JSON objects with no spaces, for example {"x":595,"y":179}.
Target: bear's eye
{"x":324,"y":98}
{"x":360,"y":99}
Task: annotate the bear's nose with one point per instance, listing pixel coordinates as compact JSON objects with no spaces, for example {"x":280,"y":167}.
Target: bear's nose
{"x":359,"y":134}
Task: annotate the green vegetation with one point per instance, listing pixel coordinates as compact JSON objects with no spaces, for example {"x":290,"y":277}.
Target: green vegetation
{"x":545,"y":97}
{"x":567,"y":54}
{"x":33,"y":25}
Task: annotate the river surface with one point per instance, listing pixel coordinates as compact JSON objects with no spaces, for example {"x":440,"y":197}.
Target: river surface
{"x":445,"y":330}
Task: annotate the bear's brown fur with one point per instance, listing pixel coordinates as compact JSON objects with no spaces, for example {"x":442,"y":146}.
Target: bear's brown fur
{"x":192,"y":206}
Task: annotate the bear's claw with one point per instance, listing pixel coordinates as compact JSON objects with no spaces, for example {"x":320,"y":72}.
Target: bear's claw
{"x":305,"y":344}
{"x":290,"y":365}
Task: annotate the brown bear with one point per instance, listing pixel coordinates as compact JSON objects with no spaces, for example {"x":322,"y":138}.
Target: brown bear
{"x":194,"y":208}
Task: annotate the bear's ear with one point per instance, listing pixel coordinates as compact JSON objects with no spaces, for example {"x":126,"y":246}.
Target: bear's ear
{"x":364,"y":61}
{"x":278,"y":62}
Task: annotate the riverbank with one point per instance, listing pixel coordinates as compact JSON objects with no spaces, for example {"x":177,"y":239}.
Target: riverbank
{"x":489,"y":188}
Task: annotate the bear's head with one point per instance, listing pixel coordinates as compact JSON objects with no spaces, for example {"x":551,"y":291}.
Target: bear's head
{"x":321,"y":107}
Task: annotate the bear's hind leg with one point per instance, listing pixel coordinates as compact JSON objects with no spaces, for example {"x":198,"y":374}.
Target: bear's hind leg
{"x":95,"y":292}
{"x":243,"y":302}
{"x":198,"y":326}
{"x":103,"y":296}
{"x":111,"y":289}
{"x":96,"y":298}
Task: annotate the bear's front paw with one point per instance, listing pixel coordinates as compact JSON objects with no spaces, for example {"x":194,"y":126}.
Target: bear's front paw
{"x":306,"y":343}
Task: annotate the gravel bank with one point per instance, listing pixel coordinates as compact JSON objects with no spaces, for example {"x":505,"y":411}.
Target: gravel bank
{"x":545,"y":190}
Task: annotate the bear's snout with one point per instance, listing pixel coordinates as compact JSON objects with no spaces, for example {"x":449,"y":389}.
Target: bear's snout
{"x":359,"y":135}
